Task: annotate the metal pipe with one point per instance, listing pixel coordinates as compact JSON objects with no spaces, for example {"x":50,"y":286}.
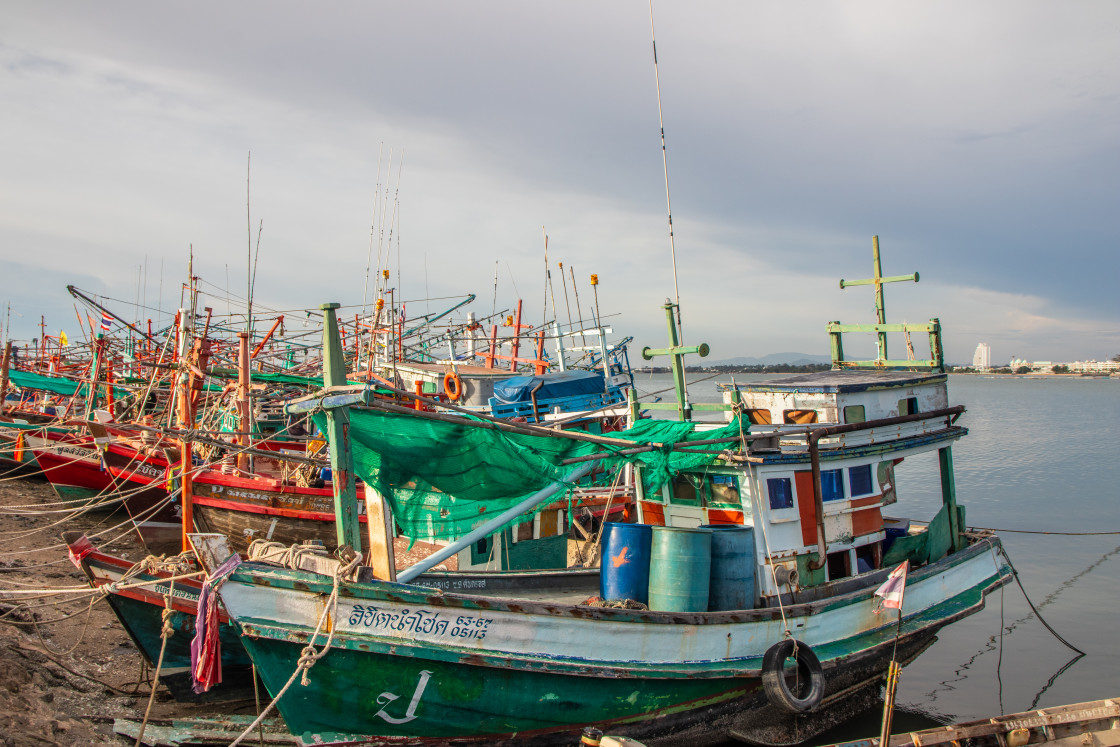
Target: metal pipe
{"x":832,"y":430}
{"x":493,"y":525}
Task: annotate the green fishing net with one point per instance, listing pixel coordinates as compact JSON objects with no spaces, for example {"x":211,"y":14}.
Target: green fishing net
{"x":443,"y":479}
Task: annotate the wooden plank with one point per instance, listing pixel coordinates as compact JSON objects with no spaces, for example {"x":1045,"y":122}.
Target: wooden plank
{"x":382,"y":561}
{"x":211,"y":549}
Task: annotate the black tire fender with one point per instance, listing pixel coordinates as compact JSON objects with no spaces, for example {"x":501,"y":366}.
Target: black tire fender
{"x":774,"y":682}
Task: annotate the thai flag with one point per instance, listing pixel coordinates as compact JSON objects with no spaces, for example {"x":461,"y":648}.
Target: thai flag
{"x":106,"y":321}
{"x":895,"y":586}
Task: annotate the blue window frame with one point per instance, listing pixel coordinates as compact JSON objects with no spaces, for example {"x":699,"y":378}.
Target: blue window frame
{"x":781,"y":492}
{"x":832,"y":485}
{"x":860,"y":480}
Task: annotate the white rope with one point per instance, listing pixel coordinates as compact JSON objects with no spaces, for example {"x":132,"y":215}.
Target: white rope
{"x":309,"y":656}
{"x":105,"y":589}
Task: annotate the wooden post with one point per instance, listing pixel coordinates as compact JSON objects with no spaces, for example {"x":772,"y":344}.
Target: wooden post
{"x":92,"y":391}
{"x":880,"y":306}
{"x":539,"y":366}
{"x":379,"y":526}
{"x":949,"y":495}
{"x":244,"y":409}
{"x":186,"y":421}
{"x":493,"y":353}
{"x":515,"y":345}
{"x":837,"y":340}
{"x":4,"y":365}
{"x":338,"y":435}
{"x":935,"y":349}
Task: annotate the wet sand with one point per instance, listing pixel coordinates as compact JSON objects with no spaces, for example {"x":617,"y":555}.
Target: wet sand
{"x":67,"y":668}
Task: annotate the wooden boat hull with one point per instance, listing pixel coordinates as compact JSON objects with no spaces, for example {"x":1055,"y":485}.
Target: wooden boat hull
{"x":73,"y":467}
{"x":247,"y":509}
{"x":140,"y":612}
{"x":1093,"y":723}
{"x":415,"y":666}
{"x":14,"y":450}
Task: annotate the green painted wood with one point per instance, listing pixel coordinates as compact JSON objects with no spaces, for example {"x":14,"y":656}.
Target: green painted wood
{"x":425,"y":698}
{"x":676,"y":352}
{"x":348,"y":529}
{"x":395,"y":688}
{"x":949,"y":495}
{"x":867,"y":328}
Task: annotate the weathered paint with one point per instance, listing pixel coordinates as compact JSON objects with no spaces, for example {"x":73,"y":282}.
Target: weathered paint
{"x":499,"y":666}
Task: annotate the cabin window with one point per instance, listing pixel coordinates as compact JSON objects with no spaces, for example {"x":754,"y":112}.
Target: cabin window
{"x":686,"y":489}
{"x":859,"y":478}
{"x":839,"y":565}
{"x":867,"y":558}
{"x":724,"y":489}
{"x":855,"y":414}
{"x":480,"y":551}
{"x":908,"y":406}
{"x":781,"y":492}
{"x":832,"y":485}
{"x":758,"y":416}
{"x":799,"y":417}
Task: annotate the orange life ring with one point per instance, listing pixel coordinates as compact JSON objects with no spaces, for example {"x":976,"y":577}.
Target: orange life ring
{"x":452,"y":386}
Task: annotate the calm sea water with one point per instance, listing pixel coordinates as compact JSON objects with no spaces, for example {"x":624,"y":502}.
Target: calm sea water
{"x":1042,"y":454}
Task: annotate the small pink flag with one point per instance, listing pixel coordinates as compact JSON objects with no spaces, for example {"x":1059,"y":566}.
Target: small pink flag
{"x":894,"y":587}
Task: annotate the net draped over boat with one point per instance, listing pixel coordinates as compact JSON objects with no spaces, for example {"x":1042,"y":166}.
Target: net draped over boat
{"x":443,"y":479}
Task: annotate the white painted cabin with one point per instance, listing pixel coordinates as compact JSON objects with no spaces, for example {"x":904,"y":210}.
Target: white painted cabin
{"x":772,"y":487}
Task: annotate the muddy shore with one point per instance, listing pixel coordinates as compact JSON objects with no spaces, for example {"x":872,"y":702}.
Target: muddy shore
{"x":67,"y":668}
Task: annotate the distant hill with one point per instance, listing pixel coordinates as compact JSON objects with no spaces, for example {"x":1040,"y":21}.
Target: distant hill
{"x":774,"y":359}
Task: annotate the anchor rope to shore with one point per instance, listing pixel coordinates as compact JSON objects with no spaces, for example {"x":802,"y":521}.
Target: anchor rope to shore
{"x":1015,"y":574}
{"x":104,"y":590}
{"x":309,"y":656}
{"x":1039,"y":531}
{"x":20,"y":533}
{"x":131,"y":521}
{"x":165,"y":633}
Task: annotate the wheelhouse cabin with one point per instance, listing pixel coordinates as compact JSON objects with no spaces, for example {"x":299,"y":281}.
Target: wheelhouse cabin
{"x":852,"y":428}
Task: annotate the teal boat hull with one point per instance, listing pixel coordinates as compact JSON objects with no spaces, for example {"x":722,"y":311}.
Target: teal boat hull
{"x":413,"y":666}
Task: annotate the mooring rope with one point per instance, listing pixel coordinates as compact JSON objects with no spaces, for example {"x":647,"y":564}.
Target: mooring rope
{"x":309,"y":656}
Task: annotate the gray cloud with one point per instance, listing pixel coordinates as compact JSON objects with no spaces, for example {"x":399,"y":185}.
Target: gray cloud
{"x":978,"y":141}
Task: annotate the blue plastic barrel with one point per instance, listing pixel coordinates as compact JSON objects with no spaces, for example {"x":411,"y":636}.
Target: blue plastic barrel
{"x":731,"y":585}
{"x":680,"y":569}
{"x":624,"y":567}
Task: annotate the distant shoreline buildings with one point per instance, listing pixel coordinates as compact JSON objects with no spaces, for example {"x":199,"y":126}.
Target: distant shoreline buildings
{"x":982,"y":361}
{"x":982,"y":358}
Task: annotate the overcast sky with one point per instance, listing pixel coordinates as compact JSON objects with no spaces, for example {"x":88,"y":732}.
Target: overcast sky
{"x":980,"y":141}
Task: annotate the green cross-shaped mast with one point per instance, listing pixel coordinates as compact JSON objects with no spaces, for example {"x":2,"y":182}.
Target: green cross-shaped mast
{"x":881,"y":328}
{"x":676,"y":352}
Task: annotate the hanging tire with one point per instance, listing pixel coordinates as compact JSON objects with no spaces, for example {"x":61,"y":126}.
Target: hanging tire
{"x":808,"y":687}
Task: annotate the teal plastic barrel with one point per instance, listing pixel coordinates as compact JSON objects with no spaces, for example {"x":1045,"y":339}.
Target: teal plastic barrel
{"x":731,"y":585}
{"x":624,"y":566}
{"x":680,"y":569}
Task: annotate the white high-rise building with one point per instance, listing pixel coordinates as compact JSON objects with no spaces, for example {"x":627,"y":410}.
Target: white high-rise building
{"x":982,"y":358}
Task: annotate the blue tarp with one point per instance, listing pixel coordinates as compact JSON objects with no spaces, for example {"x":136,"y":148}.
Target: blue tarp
{"x":553,"y":385}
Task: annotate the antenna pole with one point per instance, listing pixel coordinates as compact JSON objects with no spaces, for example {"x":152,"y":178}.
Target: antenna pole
{"x":665,"y":165}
